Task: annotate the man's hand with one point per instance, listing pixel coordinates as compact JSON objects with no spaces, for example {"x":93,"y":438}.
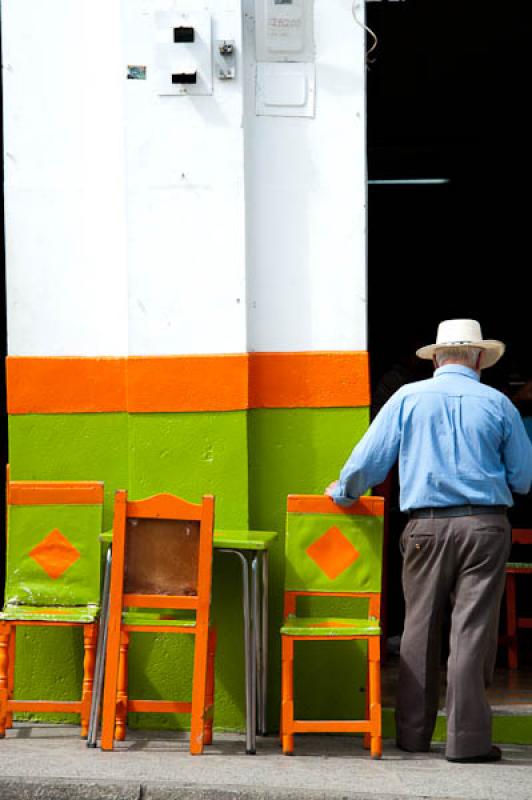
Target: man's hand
{"x":340,"y":501}
{"x":331,"y":488}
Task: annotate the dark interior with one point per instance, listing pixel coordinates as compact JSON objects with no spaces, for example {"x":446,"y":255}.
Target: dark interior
{"x":446,"y":99}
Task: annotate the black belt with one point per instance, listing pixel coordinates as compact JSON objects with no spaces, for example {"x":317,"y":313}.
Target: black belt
{"x":456,"y":511}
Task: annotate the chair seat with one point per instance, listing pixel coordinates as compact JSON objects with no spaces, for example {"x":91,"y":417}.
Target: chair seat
{"x":149,"y":617}
{"x":79,"y":614}
{"x":329,"y":626}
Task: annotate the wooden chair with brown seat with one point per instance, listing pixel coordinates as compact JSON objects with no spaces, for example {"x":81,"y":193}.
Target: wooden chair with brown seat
{"x":520,"y":536}
{"x":162,"y":563}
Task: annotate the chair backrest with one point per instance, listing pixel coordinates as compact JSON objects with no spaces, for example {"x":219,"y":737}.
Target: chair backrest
{"x":522,"y":536}
{"x":162,"y":553}
{"x":333,"y":550}
{"x":521,"y":552}
{"x":53,"y":549}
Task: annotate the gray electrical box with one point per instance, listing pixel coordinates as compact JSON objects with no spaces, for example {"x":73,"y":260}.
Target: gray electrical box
{"x":284,"y":30}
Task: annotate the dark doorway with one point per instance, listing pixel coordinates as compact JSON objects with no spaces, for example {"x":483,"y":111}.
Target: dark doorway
{"x":447,"y":88}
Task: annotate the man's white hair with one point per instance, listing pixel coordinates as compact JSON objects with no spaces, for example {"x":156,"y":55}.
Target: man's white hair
{"x":467,"y":356}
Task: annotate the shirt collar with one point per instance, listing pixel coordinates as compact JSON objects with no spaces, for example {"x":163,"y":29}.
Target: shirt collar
{"x":457,"y":369}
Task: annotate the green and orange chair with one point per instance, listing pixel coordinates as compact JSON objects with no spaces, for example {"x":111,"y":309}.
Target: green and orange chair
{"x":333,"y":552}
{"x":52,"y":579}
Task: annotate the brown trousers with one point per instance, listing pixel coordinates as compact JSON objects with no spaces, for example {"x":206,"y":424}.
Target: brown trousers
{"x":455,"y":563}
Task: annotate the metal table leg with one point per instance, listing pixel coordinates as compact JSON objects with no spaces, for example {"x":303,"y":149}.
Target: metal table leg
{"x":257,"y":644}
{"x":100,"y":656}
{"x":264,"y":653}
{"x":249,"y":651}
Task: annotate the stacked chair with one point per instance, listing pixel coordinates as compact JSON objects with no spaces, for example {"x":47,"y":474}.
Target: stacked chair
{"x":52,"y":579}
{"x":332,"y":552}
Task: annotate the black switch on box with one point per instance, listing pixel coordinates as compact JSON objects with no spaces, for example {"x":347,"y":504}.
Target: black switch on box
{"x":185,"y":77}
{"x":183,"y":34}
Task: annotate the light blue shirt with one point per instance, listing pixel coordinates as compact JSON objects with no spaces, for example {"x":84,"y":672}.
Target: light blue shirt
{"x":458,"y":441}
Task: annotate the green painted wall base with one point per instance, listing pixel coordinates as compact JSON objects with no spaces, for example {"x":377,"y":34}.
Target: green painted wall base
{"x":251,"y":461}
{"x":506,"y":728}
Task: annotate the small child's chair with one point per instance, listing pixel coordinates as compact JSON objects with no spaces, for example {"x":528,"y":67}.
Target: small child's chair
{"x":332,"y":551}
{"x":52,"y":579}
{"x":162,"y":560}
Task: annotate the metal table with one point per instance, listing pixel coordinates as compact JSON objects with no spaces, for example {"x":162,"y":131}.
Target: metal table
{"x":251,"y":549}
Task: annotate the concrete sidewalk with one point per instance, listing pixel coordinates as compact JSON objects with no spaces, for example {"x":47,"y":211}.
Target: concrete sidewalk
{"x":50,"y":762}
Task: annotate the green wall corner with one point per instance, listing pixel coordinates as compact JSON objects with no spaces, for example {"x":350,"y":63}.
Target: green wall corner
{"x":250,"y":461}
{"x":300,"y":451}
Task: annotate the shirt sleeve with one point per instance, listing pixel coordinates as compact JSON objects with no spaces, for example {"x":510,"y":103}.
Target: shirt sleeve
{"x":517,"y":453}
{"x":373,"y":457}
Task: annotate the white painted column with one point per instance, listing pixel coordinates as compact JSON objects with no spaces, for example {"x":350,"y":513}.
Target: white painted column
{"x":64,"y":178}
{"x":127,"y":225}
{"x":306,"y":199}
{"x":185,"y":191}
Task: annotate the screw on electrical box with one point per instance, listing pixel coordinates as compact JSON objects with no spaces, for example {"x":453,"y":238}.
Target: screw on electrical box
{"x":226,"y":48}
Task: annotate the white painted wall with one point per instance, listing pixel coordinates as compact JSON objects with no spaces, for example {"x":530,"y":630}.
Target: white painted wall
{"x":64,"y":178}
{"x":130,"y":226}
{"x":306,"y":200}
{"x":185,"y":198}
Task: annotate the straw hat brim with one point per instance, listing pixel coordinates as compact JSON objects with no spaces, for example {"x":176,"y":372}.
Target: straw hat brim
{"x":493,"y":350}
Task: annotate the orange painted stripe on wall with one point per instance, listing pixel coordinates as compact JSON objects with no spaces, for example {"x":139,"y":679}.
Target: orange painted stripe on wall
{"x":309,"y":380}
{"x":187,"y":383}
{"x":65,"y":385}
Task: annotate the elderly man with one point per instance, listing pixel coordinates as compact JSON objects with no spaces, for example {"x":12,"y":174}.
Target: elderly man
{"x":462,"y":450}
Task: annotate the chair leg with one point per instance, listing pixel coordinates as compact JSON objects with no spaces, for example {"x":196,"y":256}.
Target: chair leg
{"x":375,"y":706}
{"x":366,"y":741}
{"x":112,"y":659}
{"x":511,"y":622}
{"x":287,"y":695}
{"x":199,"y":685}
{"x":89,"y":655}
{"x":11,"y":672}
{"x":122,"y":689}
{"x":209,"y":694}
{"x":5,"y":633}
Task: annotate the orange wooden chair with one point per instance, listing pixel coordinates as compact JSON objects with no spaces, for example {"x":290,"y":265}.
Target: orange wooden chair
{"x":162,"y":563}
{"x":332,"y":551}
{"x":52,"y":579}
{"x":520,"y":536}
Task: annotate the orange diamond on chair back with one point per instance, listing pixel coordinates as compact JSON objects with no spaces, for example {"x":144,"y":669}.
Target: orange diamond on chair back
{"x":55,"y":554}
{"x":333,"y":553}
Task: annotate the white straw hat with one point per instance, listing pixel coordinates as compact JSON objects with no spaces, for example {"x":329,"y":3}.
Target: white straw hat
{"x":464,"y":333}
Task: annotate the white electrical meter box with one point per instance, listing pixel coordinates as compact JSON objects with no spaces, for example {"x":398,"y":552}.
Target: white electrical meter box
{"x":285,"y":90}
{"x":284,"y":30}
{"x":183,"y":53}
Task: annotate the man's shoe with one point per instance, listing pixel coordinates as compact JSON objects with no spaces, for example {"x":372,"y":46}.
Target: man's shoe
{"x":493,"y":755}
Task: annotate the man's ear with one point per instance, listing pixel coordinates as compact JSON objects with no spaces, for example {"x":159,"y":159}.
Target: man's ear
{"x":479,"y":359}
